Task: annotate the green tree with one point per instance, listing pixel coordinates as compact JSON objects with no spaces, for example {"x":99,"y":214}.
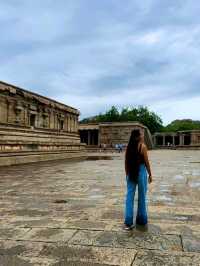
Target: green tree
{"x":140,"y":114}
{"x":184,"y":124}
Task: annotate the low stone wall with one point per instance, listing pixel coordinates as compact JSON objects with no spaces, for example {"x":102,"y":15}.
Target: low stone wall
{"x":24,"y":145}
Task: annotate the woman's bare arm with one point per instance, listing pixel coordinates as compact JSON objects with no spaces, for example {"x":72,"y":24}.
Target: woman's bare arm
{"x":146,"y":161}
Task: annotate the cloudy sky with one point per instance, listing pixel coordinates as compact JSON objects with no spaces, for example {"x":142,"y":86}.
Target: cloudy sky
{"x":93,"y":54}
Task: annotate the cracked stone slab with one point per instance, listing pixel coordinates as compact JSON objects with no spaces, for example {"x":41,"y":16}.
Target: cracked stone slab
{"x":7,"y":260}
{"x":90,"y":254}
{"x":165,"y":228}
{"x":42,"y":222}
{"x":94,"y":193}
{"x":176,"y":229}
{"x":87,"y":224}
{"x":152,"y":258}
{"x":84,"y":237}
{"x":49,"y":235}
{"x":23,"y":248}
{"x":132,"y":240}
{"x":64,"y":262}
{"x":13,"y":233}
{"x":191,"y":243}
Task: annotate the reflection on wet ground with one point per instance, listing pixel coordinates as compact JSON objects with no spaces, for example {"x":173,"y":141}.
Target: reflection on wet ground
{"x":60,"y":213}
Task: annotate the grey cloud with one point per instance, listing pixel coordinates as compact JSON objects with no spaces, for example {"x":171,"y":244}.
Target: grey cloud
{"x":93,"y":54}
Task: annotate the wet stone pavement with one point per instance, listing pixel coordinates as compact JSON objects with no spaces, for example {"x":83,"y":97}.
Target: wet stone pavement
{"x":59,"y":213}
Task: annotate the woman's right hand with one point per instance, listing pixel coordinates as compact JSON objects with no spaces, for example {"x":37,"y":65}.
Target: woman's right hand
{"x":150,"y":179}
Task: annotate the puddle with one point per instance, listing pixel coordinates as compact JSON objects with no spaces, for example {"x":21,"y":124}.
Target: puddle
{"x":194,"y":184}
{"x":101,"y":157}
{"x":181,"y":218}
{"x":95,"y":190}
{"x":186,"y":172}
{"x":96,"y":197}
{"x":60,"y":201}
{"x":179,"y":177}
{"x":164,"y":198}
{"x":164,"y":190}
{"x":195,"y":172}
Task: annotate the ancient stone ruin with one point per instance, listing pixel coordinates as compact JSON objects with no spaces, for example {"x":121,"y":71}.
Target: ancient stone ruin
{"x":35,"y":128}
{"x":111,"y":133}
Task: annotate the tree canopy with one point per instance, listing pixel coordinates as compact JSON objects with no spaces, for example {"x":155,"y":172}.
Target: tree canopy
{"x":184,"y":124}
{"x":141,"y":114}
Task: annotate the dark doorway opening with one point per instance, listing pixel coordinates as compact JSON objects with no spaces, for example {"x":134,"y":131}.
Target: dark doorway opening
{"x":83,"y":136}
{"x":61,"y":124}
{"x":187,"y":140}
{"x":159,"y":140}
{"x":168,"y":140}
{"x":32,"y":120}
{"x":90,"y":137}
{"x":177,"y":140}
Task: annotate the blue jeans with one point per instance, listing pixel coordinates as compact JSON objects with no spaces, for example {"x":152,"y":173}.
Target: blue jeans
{"x":141,"y":218}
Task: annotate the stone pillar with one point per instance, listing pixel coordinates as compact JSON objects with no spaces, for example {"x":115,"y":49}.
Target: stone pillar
{"x":99,"y":138}
{"x":69,"y":123}
{"x":157,"y":141}
{"x":193,"y":139}
{"x":77,"y":124}
{"x":72,"y":121}
{"x":181,"y":140}
{"x":173,"y":137}
{"x":74,"y":124}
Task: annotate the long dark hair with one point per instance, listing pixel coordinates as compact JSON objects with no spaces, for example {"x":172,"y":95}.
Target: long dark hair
{"x":133,"y":155}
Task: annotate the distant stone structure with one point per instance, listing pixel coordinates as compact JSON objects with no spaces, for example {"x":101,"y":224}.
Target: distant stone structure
{"x":111,"y":133}
{"x":180,"y":139}
{"x":35,"y":128}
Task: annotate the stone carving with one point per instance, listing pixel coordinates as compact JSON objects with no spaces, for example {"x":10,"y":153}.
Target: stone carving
{"x":33,"y":123}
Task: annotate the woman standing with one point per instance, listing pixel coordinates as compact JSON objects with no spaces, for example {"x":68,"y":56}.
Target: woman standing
{"x":136,"y":167}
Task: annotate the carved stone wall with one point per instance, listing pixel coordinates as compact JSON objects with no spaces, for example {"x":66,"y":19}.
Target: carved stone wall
{"x":115,"y":133}
{"x":19,"y":107}
{"x":112,"y":133}
{"x":33,"y":126}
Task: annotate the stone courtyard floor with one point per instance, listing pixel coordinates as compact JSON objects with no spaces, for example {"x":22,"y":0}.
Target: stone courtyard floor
{"x":58,"y":213}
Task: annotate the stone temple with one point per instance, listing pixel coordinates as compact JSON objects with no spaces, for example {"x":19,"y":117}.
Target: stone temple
{"x":71,"y":213}
{"x":35,"y":128}
{"x":189,"y":139}
{"x":111,"y":133}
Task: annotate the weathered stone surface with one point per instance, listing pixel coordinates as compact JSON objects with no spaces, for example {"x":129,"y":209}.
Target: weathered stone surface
{"x":12,"y":233}
{"x":26,"y":261}
{"x":191,"y":243}
{"x":61,"y":213}
{"x":22,"y":248}
{"x":14,"y":261}
{"x":81,"y":254}
{"x":133,"y":239}
{"x":154,"y":258}
{"x":49,"y":235}
{"x":34,"y":128}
